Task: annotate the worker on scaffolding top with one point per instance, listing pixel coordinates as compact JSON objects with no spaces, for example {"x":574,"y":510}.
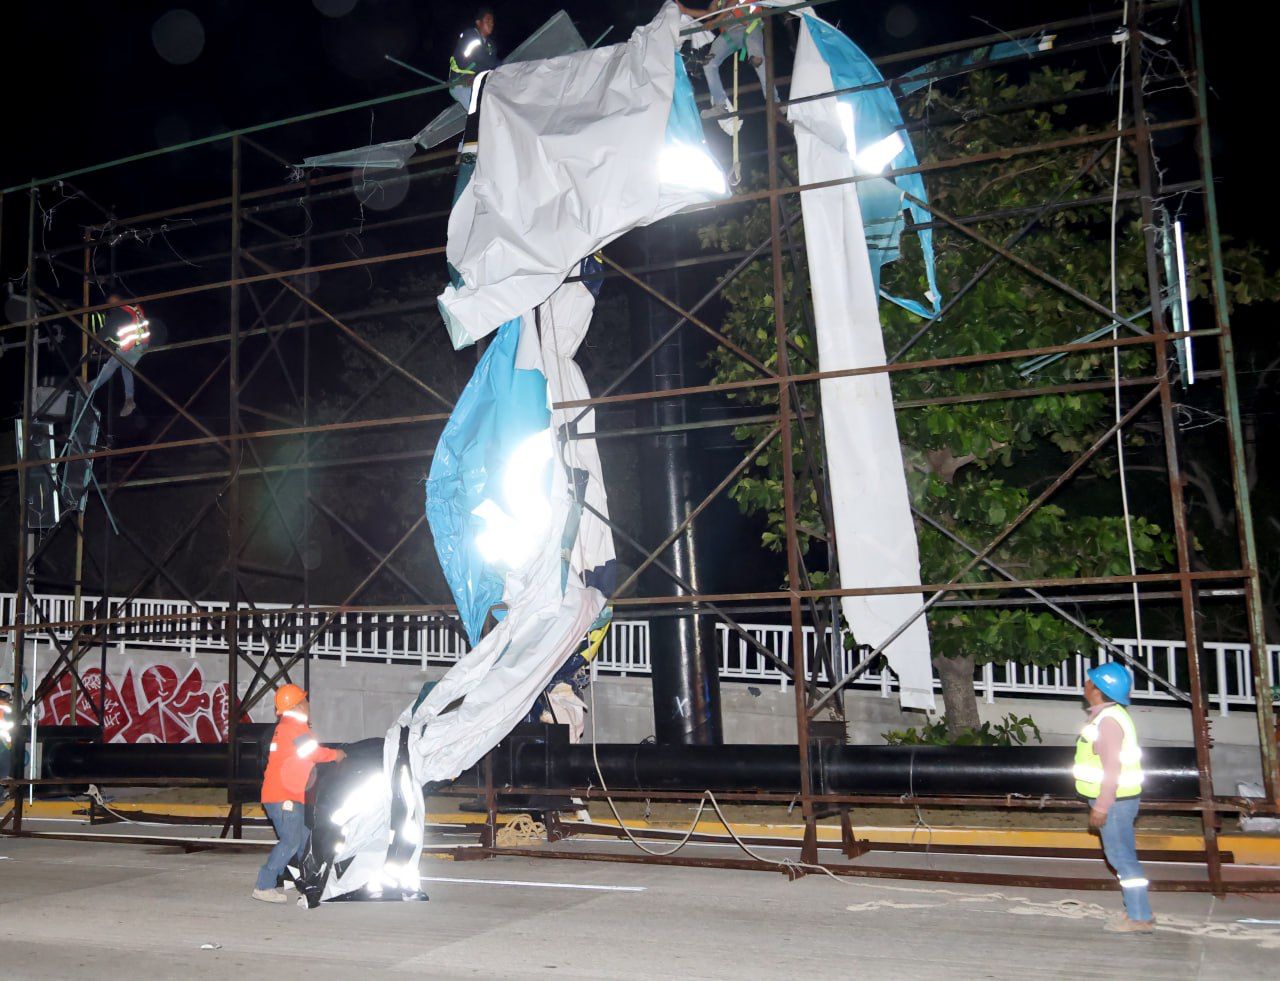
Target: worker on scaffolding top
{"x":740,"y":34}
{"x":127,"y":330}
{"x":474,"y":53}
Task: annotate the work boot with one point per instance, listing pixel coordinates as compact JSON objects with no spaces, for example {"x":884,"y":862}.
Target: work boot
{"x":127,"y":408}
{"x":270,"y":895}
{"x":712,"y":112}
{"x":1120,"y":923}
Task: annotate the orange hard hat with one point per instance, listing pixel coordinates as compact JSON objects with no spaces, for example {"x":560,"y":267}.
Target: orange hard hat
{"x":287,"y":696}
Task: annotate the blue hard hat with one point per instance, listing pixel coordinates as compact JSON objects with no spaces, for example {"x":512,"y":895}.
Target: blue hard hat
{"x":1113,"y":680}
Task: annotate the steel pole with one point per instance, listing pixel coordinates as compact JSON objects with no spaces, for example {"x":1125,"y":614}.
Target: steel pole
{"x":1182,"y":534}
{"x":29,"y":353}
{"x":1231,"y":398}
{"x":233,"y":498}
{"x":809,"y":850}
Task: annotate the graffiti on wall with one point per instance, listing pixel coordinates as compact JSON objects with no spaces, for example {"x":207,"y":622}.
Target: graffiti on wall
{"x":146,"y":706}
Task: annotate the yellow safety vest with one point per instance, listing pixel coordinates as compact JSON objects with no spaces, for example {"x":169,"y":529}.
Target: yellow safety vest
{"x":1088,"y":765}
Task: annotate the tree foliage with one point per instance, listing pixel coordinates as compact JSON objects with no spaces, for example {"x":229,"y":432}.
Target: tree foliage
{"x":974,"y":466}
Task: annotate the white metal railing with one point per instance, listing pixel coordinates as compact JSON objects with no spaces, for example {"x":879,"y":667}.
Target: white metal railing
{"x":1228,"y":678}
{"x":397,"y":638}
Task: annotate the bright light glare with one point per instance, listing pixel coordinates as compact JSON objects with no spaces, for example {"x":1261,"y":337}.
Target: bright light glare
{"x":512,"y":535}
{"x":360,"y":799}
{"x":872,"y":159}
{"x":405,"y":876}
{"x":681,"y":165}
{"x":1182,"y":298}
{"x":412,"y":828}
{"x":875,"y":158}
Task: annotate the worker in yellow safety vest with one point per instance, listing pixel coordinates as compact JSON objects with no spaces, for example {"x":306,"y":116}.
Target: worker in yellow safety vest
{"x":739,"y":27}
{"x":474,"y":53}
{"x":1108,"y":772}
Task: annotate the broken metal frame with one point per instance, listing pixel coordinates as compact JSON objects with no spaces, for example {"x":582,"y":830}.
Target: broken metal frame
{"x":790,"y":410}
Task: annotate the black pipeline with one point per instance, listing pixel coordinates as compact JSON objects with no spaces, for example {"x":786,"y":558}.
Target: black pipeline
{"x":1030,"y":771}
{"x":528,"y":763}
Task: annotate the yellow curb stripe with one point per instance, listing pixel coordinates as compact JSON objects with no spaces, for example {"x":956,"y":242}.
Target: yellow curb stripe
{"x":1248,"y":849}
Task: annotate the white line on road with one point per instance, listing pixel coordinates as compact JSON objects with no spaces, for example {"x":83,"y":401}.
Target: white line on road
{"x":534,"y":885}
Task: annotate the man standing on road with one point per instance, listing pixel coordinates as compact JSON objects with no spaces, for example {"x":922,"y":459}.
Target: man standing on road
{"x":294,"y":754}
{"x":1108,"y":771}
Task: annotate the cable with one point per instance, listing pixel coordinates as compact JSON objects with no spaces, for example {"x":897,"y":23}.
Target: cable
{"x":1115,"y":331}
{"x":95,"y":795}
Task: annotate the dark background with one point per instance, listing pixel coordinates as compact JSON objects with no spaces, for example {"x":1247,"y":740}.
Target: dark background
{"x":84,"y":82}
{"x":90,"y":82}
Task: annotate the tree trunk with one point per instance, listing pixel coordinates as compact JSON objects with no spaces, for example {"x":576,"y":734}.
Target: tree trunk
{"x":958,"y":698}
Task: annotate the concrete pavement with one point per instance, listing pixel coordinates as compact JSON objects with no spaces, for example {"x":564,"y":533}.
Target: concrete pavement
{"x":79,"y":909}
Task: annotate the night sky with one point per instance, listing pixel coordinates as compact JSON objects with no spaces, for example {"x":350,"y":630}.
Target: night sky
{"x":92,"y":81}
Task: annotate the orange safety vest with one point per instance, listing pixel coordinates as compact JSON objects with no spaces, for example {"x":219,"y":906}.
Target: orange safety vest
{"x":294,"y":754}
{"x":133,"y":334}
{"x":740,"y":9}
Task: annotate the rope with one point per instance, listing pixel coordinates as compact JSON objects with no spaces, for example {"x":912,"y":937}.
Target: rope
{"x":792,"y":867}
{"x":1115,"y":332}
{"x":519,"y":829}
{"x":95,"y":795}
{"x":735,"y":172}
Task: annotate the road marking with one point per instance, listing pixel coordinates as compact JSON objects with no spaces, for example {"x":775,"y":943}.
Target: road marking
{"x":534,"y":885}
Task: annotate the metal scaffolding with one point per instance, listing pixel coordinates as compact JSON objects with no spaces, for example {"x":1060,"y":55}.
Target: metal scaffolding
{"x":241,"y":252}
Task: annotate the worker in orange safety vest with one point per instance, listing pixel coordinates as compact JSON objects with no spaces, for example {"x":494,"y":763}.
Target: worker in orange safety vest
{"x":295,"y":752}
{"x":126,"y":328}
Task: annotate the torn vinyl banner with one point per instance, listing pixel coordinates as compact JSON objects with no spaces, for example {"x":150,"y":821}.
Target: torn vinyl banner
{"x":874,"y":531}
{"x":554,"y":599}
{"x":479,"y":483}
{"x":366,"y":818}
{"x":557,"y":36}
{"x":573,"y":152}
{"x":868,"y":124}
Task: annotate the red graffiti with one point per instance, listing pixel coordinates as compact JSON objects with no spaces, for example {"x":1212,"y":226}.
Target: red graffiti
{"x":153,"y":707}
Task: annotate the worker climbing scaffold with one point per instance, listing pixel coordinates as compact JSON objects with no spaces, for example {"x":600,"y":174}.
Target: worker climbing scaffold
{"x":125,"y":326}
{"x":739,"y":35}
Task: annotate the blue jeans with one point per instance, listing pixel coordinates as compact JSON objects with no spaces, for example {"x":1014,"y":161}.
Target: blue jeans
{"x":112,"y":366}
{"x":726,"y":46}
{"x":291,"y":826}
{"x":461,"y":95}
{"x":1121,"y":849}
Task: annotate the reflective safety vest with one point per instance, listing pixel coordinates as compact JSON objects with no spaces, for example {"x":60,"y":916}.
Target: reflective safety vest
{"x":294,"y":754}
{"x":471,"y":55}
{"x":1088,"y":765}
{"x":740,"y":11}
{"x":134,"y":330}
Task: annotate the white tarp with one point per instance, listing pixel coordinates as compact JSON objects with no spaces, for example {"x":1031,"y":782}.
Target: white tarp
{"x":874,"y":531}
{"x":551,"y":603}
{"x":571,"y":157}
{"x":549,"y":609}
{"x":557,"y":36}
